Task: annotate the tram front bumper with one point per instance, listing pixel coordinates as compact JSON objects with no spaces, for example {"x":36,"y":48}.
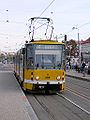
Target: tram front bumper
{"x":43,"y":85}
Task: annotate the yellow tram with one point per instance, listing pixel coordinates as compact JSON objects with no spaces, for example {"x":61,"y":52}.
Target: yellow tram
{"x":40,"y":65}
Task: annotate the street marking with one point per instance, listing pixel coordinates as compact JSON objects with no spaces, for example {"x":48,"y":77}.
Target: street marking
{"x":74,"y":103}
{"x":80,"y":95}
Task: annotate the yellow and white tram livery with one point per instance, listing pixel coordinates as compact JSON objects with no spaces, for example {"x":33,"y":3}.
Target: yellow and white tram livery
{"x":40,"y":65}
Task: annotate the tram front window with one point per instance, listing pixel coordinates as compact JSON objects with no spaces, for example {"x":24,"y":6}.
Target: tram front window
{"x":45,"y":56}
{"x":46,"y":60}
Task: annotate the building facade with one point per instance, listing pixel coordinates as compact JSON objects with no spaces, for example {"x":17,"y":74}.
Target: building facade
{"x":85,"y":50}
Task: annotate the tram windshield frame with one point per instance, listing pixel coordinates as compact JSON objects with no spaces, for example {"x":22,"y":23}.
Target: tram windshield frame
{"x":45,"y":56}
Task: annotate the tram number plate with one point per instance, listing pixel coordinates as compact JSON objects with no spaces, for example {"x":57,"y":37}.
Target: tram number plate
{"x":41,"y":87}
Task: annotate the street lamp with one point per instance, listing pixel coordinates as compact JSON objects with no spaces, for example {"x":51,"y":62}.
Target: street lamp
{"x":77,"y":36}
{"x":79,"y":43}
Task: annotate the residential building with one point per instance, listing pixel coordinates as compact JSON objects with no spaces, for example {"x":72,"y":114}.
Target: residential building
{"x":85,"y":49}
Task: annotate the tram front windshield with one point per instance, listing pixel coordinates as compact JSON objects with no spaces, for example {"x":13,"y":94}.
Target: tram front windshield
{"x":49,"y":56}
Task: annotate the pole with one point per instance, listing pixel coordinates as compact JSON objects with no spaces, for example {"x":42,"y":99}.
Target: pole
{"x":79,"y":44}
{"x":79,"y":47}
{"x":65,"y":41}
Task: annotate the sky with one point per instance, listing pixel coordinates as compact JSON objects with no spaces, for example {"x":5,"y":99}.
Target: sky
{"x":65,"y":14}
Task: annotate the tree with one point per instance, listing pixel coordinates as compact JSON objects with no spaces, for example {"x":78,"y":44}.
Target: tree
{"x":71,"y":48}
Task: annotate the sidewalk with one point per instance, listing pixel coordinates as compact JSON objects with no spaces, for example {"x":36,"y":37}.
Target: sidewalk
{"x":75,"y":74}
{"x":13,"y":103}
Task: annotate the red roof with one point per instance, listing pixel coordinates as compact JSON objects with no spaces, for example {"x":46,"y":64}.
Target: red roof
{"x":84,"y":41}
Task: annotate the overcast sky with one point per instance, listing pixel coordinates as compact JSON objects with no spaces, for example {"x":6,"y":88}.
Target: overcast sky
{"x":66,"y":14}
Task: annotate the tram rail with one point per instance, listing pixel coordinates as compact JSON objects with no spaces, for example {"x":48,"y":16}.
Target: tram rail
{"x":84,"y":96}
{"x":86,"y":111}
{"x":59,"y":99}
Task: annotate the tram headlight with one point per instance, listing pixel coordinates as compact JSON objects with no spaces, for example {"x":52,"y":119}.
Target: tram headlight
{"x":37,"y":77}
{"x":58,"y":77}
{"x":63,"y":77}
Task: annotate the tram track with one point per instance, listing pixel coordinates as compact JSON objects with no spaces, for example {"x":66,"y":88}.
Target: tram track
{"x":58,"y":105}
{"x":86,"y":111}
{"x":73,"y":103}
{"x":84,"y":96}
{"x":82,"y":92}
{"x":79,"y":87}
{"x":41,"y":106}
{"x":46,"y":109}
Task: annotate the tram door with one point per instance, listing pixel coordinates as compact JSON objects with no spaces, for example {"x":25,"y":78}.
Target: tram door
{"x":22,"y":64}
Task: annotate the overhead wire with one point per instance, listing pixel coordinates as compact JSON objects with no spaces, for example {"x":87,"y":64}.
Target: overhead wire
{"x":41,"y":15}
{"x":47,"y":7}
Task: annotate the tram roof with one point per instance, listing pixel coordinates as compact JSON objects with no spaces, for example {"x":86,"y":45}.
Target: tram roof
{"x":46,"y":42}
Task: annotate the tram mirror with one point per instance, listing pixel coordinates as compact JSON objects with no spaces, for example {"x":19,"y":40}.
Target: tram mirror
{"x":23,"y":50}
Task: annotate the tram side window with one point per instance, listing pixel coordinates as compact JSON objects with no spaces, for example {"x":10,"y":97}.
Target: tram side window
{"x":63,"y":57}
{"x":21,"y":60}
{"x":29,"y":58}
{"x":30,"y":62}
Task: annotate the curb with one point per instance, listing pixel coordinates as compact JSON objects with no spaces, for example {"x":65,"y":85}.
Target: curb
{"x":81,"y":78}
